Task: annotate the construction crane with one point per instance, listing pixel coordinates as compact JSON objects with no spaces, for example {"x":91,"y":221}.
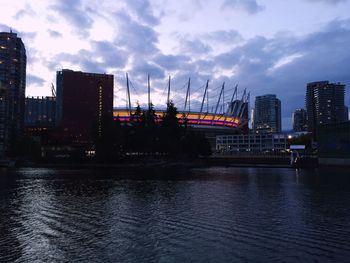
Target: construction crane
{"x":53,"y":91}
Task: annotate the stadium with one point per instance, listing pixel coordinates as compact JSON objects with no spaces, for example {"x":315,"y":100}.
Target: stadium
{"x":229,"y":117}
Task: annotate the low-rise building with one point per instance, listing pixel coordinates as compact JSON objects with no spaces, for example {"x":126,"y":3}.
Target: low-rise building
{"x":40,"y":112}
{"x":255,"y":143}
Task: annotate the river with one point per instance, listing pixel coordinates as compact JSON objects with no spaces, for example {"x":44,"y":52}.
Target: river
{"x":183,"y":215}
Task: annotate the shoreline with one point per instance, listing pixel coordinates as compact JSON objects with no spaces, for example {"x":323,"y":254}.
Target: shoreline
{"x":204,"y":162}
{"x":172,"y":163}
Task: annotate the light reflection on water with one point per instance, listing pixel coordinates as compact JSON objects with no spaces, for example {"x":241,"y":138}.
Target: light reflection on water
{"x":199,"y":215}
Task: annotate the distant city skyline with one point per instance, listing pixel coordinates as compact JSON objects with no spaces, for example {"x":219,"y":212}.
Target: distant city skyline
{"x":265,"y":46}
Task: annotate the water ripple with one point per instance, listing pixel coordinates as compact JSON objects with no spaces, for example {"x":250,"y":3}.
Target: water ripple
{"x":208,"y":215}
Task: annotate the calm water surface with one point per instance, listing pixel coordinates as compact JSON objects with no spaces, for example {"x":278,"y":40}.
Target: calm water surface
{"x":199,"y":215}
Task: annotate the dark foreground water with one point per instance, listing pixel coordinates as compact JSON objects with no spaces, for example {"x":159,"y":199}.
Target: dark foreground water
{"x":200,"y":215}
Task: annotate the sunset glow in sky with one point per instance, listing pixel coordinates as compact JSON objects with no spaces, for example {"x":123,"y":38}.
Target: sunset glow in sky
{"x":266,"y":46}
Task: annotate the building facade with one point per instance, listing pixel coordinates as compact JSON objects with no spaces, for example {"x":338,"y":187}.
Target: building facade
{"x":334,"y":144}
{"x":83,"y":100}
{"x":13,"y":63}
{"x":325,"y":104}
{"x":40,"y":112}
{"x":252,"y":143}
{"x":299,"y":120}
{"x":267,"y":114}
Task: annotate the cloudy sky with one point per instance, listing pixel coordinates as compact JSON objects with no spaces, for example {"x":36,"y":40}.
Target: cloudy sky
{"x":265,"y":46}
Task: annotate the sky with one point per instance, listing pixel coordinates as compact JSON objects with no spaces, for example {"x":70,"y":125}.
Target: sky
{"x":264,"y":46}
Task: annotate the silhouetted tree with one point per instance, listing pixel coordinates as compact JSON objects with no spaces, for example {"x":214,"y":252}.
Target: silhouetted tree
{"x":143,"y":133}
{"x":135,"y":118}
{"x":146,"y":135}
{"x":109,"y":139}
{"x":195,"y":144}
{"x":28,"y":148}
{"x":170,"y":130}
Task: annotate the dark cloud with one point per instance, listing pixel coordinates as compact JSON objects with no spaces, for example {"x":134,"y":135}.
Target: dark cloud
{"x":34,"y":80}
{"x":224,"y":36}
{"x":280,"y":65}
{"x":229,"y":59}
{"x":100,"y":58}
{"x":33,"y":55}
{"x":143,"y":11}
{"x":28,"y":36}
{"x":75,"y":13}
{"x":27,"y":11}
{"x":85,"y":59}
{"x":172,"y":62}
{"x":111,"y":54}
{"x":284,"y":64}
{"x":54,"y":34}
{"x":144,"y":68}
{"x":248,"y":6}
{"x":330,"y":2}
{"x":194,"y":46}
{"x":135,"y":37}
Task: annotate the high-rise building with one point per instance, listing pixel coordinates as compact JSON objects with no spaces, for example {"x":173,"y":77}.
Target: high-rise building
{"x":299,"y":120}
{"x":13,"y":63}
{"x":83,"y":100}
{"x":40,"y":112}
{"x":325,"y":104}
{"x":346,"y":113}
{"x":267,"y":114}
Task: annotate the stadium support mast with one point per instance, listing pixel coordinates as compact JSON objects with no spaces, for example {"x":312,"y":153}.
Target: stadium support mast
{"x":205,"y":93}
{"x":149,"y":92}
{"x":208,"y":101}
{"x":233,"y":96}
{"x":245,"y":104}
{"x":128,"y":101}
{"x":217,"y":104}
{"x":168,"y":99}
{"x":188,"y":97}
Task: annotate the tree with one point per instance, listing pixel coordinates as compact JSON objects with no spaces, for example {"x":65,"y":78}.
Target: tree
{"x":195,"y":144}
{"x":135,"y":118}
{"x":29,"y":148}
{"x":170,"y":130}
{"x":109,"y":140}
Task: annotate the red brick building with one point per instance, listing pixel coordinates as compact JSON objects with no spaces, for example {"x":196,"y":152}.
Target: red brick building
{"x":83,"y":99}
